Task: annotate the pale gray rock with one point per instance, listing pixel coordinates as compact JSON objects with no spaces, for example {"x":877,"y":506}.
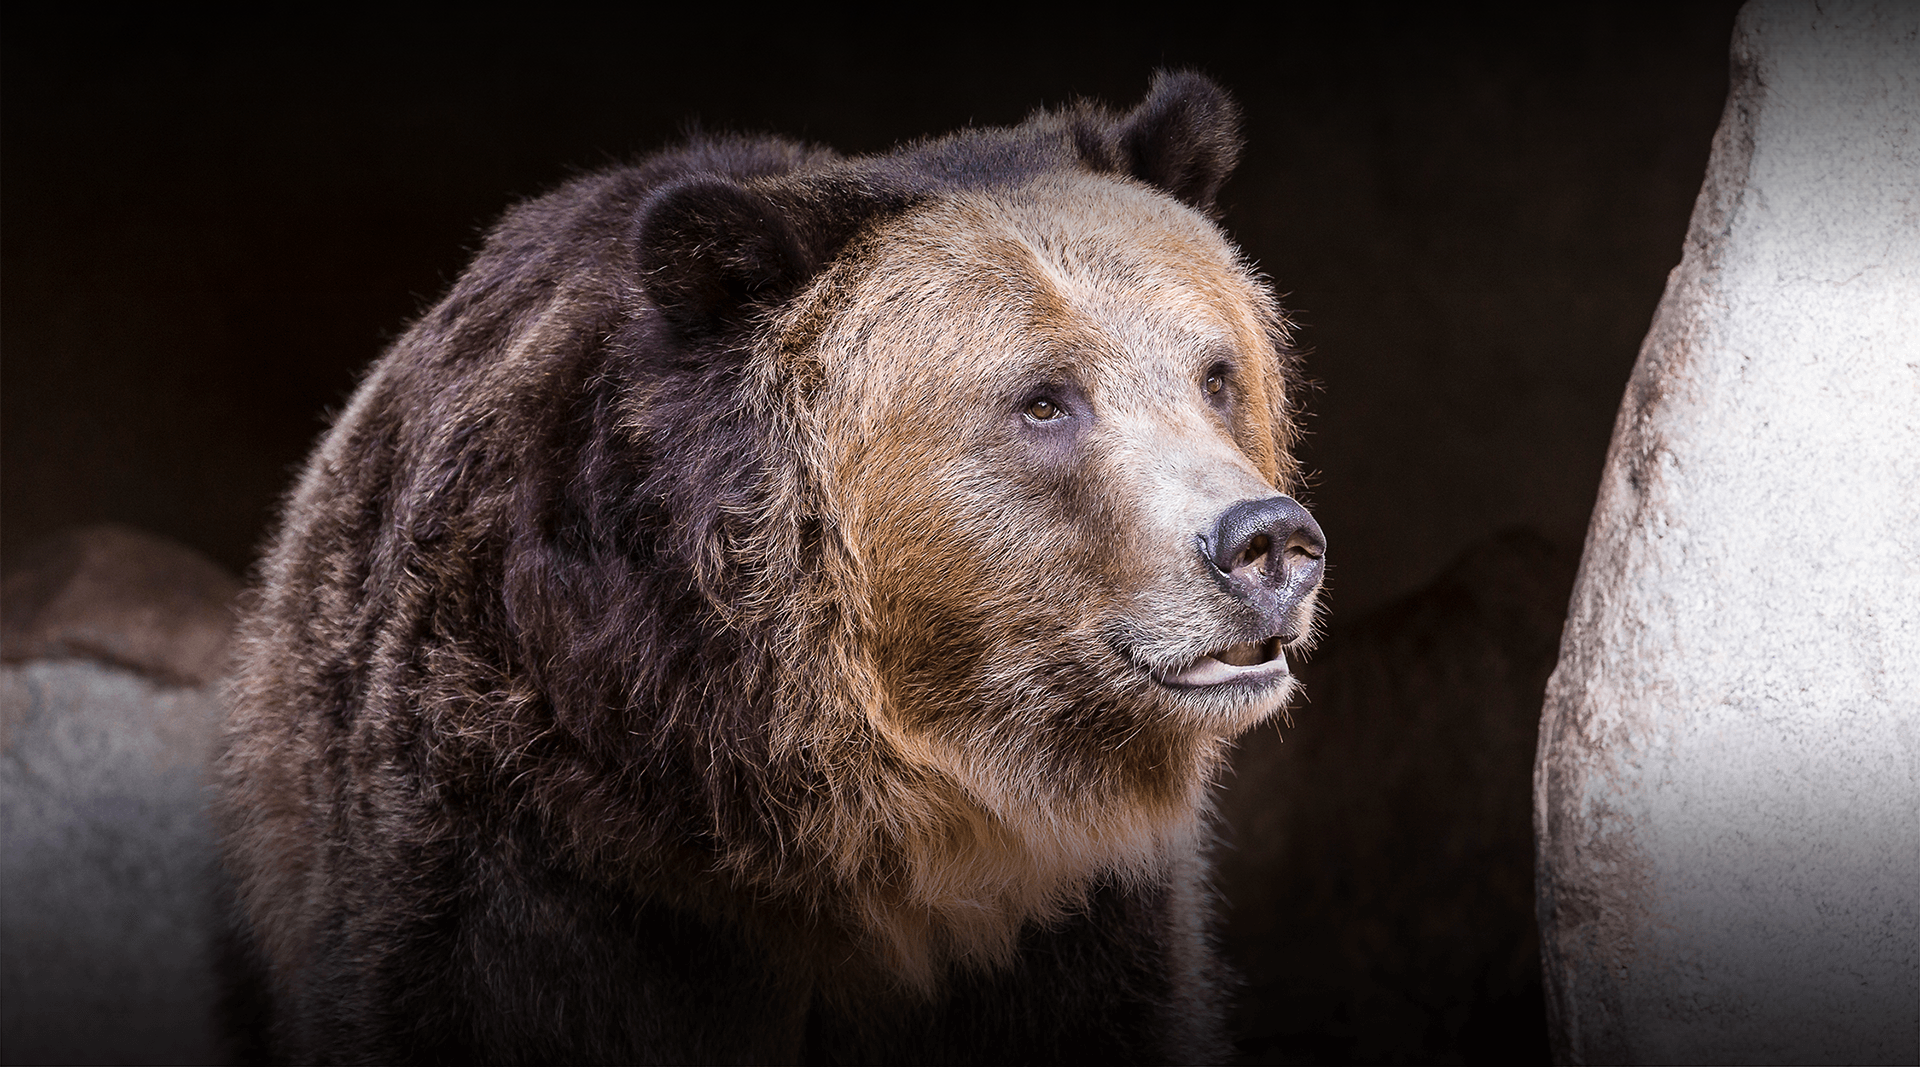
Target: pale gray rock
{"x":1727,"y":791}
{"x":110,"y":709}
{"x":106,"y":867}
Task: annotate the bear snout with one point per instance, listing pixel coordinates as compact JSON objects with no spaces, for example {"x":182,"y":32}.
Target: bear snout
{"x":1270,"y":555}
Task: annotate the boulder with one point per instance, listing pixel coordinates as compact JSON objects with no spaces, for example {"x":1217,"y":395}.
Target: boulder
{"x":1727,"y":790}
{"x":109,"y":713}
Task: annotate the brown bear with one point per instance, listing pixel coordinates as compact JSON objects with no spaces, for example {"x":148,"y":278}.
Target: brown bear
{"x":785,"y":607}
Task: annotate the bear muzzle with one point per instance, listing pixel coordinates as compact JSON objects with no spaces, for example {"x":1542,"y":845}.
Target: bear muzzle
{"x":1268,"y":555}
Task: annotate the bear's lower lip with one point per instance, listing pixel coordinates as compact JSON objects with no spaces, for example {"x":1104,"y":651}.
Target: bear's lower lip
{"x":1251,"y":663}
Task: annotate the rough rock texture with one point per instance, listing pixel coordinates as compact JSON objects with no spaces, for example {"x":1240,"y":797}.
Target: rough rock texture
{"x":107,"y":861}
{"x":1379,"y":855}
{"x":1727,"y":792}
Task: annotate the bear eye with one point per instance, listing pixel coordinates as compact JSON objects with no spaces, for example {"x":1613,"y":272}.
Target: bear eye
{"x":1043,"y":410}
{"x":1214,"y":385}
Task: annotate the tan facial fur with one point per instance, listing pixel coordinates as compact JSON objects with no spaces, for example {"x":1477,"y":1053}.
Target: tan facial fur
{"x":1014,"y":584}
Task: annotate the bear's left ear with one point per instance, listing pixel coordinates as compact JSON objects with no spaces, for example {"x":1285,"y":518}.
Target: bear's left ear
{"x":1184,"y":137}
{"x":710,"y":250}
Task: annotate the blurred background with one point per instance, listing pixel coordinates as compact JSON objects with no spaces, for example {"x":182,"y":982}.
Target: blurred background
{"x":212,"y":226}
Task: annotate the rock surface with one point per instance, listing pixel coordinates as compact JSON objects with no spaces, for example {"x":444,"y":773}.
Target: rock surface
{"x":107,"y":868}
{"x":108,"y":934}
{"x":1727,"y":792}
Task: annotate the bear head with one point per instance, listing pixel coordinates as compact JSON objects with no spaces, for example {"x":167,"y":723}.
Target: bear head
{"x":984,"y":446}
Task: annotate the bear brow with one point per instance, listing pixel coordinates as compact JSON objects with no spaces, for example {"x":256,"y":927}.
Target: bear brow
{"x":1220,"y":352}
{"x":1061,"y":306}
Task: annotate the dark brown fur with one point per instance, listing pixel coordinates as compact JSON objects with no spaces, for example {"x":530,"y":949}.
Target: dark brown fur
{"x":681,"y":649}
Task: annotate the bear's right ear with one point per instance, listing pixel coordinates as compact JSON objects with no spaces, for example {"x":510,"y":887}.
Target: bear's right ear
{"x":709,"y":251}
{"x":1184,"y":137}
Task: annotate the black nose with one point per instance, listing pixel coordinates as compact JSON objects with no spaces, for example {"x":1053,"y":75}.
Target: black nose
{"x":1271,"y":545}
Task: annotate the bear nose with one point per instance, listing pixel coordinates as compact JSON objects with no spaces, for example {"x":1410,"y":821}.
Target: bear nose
{"x":1269,"y":546}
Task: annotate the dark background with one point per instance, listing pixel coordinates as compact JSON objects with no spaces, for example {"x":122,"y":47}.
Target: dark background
{"x":207,"y":229}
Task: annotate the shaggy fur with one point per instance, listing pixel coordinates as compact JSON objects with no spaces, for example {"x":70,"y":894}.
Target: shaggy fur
{"x":736,"y":622}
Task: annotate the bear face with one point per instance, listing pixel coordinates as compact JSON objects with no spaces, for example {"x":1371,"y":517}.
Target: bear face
{"x":1038,"y":408}
{"x":1022,"y":422}
{"x":830,"y":578}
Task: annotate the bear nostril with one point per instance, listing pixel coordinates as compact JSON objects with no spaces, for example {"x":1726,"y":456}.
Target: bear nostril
{"x":1302,"y":547}
{"x":1256,"y":548}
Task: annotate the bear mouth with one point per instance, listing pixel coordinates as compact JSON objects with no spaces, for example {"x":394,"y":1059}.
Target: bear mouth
{"x":1252,"y":663}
